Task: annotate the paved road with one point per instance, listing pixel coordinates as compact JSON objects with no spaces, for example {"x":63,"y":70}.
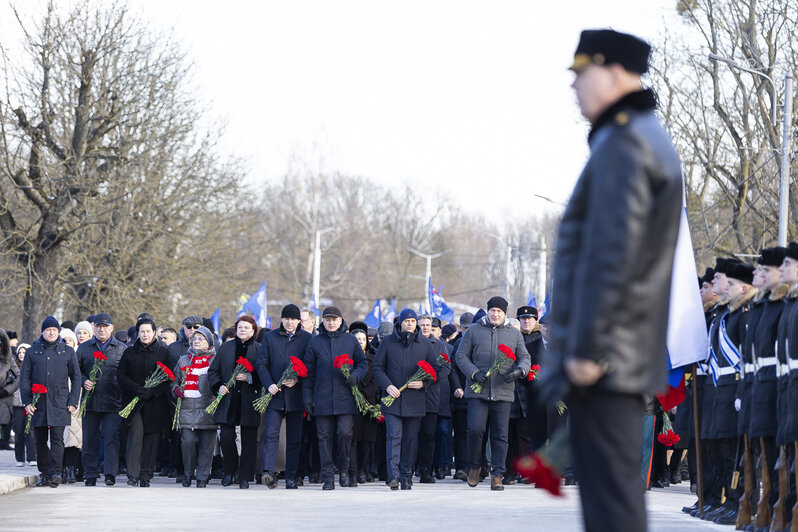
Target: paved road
{"x":168,"y":506}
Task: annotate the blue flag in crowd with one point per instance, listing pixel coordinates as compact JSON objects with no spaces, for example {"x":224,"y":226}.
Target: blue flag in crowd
{"x":256,"y":306}
{"x":530,"y":301}
{"x":544,"y":308}
{"x":391,"y":314}
{"x":375,"y":316}
{"x":437,"y":304}
{"x":216,"y":319}
{"x":313,"y":306}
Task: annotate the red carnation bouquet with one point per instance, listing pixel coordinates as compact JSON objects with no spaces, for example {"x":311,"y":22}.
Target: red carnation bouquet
{"x":94,"y":375}
{"x":179,"y":402}
{"x":37,"y":390}
{"x":667,"y":437}
{"x":161,"y":374}
{"x":534,"y":370}
{"x":296,"y":368}
{"x":345,"y":364}
{"x":423,"y":372}
{"x":242,"y":365}
{"x":443,"y":358}
{"x":545,"y":467}
{"x":505,"y":354}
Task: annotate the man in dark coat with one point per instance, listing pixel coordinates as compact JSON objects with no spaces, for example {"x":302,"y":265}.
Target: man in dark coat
{"x":612,"y":276}
{"x":328,"y":394}
{"x":429,"y":423}
{"x":52,"y":363}
{"x":396,"y":361}
{"x":274,"y":357}
{"x":104,"y":404}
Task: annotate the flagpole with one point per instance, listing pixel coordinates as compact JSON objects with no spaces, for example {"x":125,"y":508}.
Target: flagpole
{"x":696,"y":428}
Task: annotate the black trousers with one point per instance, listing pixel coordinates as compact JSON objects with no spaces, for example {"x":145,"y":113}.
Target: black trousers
{"x":309,"y":452}
{"x":293,"y":440}
{"x":95,"y":424}
{"x":426,"y":442}
{"x":482,"y":415}
{"x":339,"y":427}
{"x":249,"y":440}
{"x":607,"y":439}
{"x":142,"y":448}
{"x":49,"y":461}
{"x":24,"y":444}
{"x":401,"y":445}
{"x":537,"y":422}
{"x":519,"y":442}
{"x":460,"y":423}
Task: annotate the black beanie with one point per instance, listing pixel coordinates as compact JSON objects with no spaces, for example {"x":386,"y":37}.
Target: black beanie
{"x":498,"y":302}
{"x":50,"y":321}
{"x":290,"y":311}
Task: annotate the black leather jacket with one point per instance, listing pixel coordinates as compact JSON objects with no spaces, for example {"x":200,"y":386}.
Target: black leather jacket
{"x":614,"y":257}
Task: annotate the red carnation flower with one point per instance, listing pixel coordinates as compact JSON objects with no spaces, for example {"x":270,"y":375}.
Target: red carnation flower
{"x":38,"y":388}
{"x":506,"y":351}
{"x":381,"y":418}
{"x":342,"y":360}
{"x":533,"y":372}
{"x":423,"y":364}
{"x":537,"y":470}
{"x":246,"y":363}
{"x":166,"y":370}
{"x":298,"y":366}
{"x":99,"y":355}
{"x":668,"y":438}
{"x":446,"y":358}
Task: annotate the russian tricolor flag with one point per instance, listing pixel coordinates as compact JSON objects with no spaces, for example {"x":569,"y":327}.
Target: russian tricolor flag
{"x":687,"y":333}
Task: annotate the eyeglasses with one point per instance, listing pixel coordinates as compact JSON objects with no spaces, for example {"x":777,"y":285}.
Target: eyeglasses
{"x":195,"y":326}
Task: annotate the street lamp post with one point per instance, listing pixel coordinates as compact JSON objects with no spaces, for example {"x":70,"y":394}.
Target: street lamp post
{"x":317,"y":264}
{"x":429,"y":258}
{"x":784,"y":185}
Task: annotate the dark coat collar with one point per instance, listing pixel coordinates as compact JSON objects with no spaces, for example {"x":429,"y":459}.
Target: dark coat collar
{"x":643,"y":100}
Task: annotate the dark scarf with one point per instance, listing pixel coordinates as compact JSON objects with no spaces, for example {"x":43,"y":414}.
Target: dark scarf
{"x":242,"y":347}
{"x":406,"y":337}
{"x":643,"y":100}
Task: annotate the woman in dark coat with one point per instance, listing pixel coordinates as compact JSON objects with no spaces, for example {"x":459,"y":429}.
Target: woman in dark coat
{"x":151,"y":415}
{"x":364,"y":434}
{"x":52,"y":363}
{"x":236,"y":408}
{"x":9,"y":381}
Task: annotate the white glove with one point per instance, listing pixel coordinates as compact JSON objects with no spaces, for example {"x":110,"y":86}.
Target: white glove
{"x":737,"y":404}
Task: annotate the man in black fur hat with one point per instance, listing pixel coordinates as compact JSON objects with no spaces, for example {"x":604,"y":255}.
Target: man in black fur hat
{"x":611,"y":287}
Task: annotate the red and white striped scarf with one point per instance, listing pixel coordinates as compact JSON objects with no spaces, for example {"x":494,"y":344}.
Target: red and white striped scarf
{"x":198,"y":366}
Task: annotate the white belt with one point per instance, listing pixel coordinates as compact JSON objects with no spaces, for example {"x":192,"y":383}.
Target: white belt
{"x":699,"y":371}
{"x":728,"y":370}
{"x":768,"y":361}
{"x":782,"y":370}
{"x":793,"y":363}
{"x":748,"y":369}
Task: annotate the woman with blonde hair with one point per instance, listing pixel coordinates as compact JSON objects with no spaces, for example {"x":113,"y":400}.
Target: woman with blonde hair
{"x":73,"y":434}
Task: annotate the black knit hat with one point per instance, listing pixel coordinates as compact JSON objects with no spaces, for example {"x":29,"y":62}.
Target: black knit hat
{"x":741,"y":271}
{"x":50,"y":321}
{"x":359,"y":326}
{"x":792,"y":250}
{"x":604,"y":47}
{"x":772,"y":256}
{"x":448,"y":330}
{"x":290,"y":311}
{"x":498,"y":302}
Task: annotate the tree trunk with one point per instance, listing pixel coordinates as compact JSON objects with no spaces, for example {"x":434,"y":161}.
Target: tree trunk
{"x":39,"y":301}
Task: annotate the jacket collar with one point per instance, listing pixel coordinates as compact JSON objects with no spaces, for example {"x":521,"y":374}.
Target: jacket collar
{"x":643,"y":100}
{"x":486,"y":322}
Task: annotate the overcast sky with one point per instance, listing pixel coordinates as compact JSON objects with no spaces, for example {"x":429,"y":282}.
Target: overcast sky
{"x":469,"y":98}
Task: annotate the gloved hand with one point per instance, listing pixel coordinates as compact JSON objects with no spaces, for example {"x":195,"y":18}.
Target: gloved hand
{"x":738,"y":404}
{"x":144,"y":393}
{"x":352,"y":380}
{"x":177,"y":392}
{"x":309,"y":409}
{"x":480,"y":377}
{"x":514,"y":375}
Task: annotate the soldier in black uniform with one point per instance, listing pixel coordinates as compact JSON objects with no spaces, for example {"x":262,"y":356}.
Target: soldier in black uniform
{"x":727,"y":343}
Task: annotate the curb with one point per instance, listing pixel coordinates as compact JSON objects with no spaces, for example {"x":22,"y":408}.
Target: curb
{"x":12,"y":483}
